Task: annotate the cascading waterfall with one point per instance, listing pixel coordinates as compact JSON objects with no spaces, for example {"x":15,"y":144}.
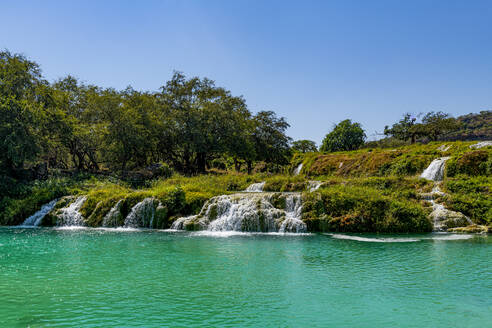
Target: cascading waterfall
{"x":141,"y":215}
{"x":248,"y":213}
{"x":298,"y":169}
{"x":314,"y":185}
{"x":255,"y":187}
{"x":35,"y":219}
{"x":113,"y":217}
{"x":442,"y":218}
{"x":70,"y":215}
{"x":293,"y":211}
{"x":179,"y":224}
{"x":435,"y":171}
{"x":481,"y":144}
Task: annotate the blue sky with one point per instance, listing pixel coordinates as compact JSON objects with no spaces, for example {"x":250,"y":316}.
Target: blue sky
{"x":313,"y":62}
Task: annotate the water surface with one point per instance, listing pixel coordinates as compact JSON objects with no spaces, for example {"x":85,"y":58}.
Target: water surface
{"x":126,"y":278}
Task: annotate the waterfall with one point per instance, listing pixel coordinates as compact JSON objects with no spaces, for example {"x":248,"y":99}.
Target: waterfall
{"x":113,"y":217}
{"x":314,"y":185}
{"x":435,"y":171}
{"x":255,"y":187}
{"x":141,"y":215}
{"x":293,"y":212}
{"x":179,"y":224}
{"x":70,"y":215}
{"x":35,"y":219}
{"x":442,"y":218}
{"x":298,"y":169}
{"x":247,"y":212}
{"x":481,"y":144}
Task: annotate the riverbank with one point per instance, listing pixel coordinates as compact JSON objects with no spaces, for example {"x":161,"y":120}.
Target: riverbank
{"x":378,"y":190}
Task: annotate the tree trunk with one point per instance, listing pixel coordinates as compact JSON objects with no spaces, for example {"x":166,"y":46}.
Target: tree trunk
{"x":237,"y":165}
{"x":250,"y":166}
{"x":201,"y":162}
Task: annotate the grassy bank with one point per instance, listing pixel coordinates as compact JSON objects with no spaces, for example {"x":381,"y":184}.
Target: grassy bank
{"x":361,"y":191}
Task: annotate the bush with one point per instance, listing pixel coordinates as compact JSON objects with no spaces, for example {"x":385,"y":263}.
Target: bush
{"x":356,"y":209}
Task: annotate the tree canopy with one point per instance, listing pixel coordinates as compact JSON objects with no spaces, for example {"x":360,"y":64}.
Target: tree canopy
{"x":304,"y":146}
{"x":433,"y":126}
{"x":186,"y":124}
{"x":344,"y":136}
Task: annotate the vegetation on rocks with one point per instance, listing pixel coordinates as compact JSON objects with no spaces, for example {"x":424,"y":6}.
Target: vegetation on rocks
{"x":192,"y":140}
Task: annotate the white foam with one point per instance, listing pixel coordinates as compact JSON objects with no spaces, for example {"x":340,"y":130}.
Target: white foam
{"x":119,"y":229}
{"x":446,"y":236}
{"x":229,"y":233}
{"x":71,"y":228}
{"x":373,"y":240}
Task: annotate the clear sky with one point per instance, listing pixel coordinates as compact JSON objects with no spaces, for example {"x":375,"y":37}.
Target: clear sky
{"x":313,"y":62}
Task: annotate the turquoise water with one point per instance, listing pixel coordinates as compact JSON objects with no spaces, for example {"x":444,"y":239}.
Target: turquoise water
{"x":104,"y":278}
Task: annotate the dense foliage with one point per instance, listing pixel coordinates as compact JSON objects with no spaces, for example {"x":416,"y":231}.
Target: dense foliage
{"x":71,"y":125}
{"x":70,"y":138}
{"x":344,"y":136}
{"x":304,"y":146}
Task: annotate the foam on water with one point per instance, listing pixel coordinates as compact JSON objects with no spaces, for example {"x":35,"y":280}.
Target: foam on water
{"x":450,"y":237}
{"x":436,"y":236}
{"x":72,"y":227}
{"x":373,"y":240}
{"x":226,"y":234}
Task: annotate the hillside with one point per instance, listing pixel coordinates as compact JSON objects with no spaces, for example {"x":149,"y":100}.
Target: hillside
{"x":369,"y":190}
{"x":473,"y":127}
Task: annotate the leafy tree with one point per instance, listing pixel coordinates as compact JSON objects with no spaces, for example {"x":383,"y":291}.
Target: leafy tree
{"x":205,"y":117}
{"x":436,"y":124}
{"x":20,"y":110}
{"x":76,"y":125}
{"x":433,"y":126}
{"x":405,"y":129}
{"x":345,"y":136}
{"x":271,"y":142}
{"x":304,"y":146}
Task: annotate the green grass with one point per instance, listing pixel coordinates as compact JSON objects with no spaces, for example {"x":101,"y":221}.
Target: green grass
{"x":373,"y":190}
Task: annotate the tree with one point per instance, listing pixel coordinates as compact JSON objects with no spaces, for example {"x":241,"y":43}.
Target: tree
{"x":437,"y":124}
{"x":304,"y":146}
{"x":20,"y":110}
{"x":433,"y":126}
{"x":205,"y":118}
{"x":269,"y":138}
{"x":406,"y":129}
{"x":345,"y":136}
{"x":78,"y":120}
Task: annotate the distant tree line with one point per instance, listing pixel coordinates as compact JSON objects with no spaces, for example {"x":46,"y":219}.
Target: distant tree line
{"x":186,"y":124}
